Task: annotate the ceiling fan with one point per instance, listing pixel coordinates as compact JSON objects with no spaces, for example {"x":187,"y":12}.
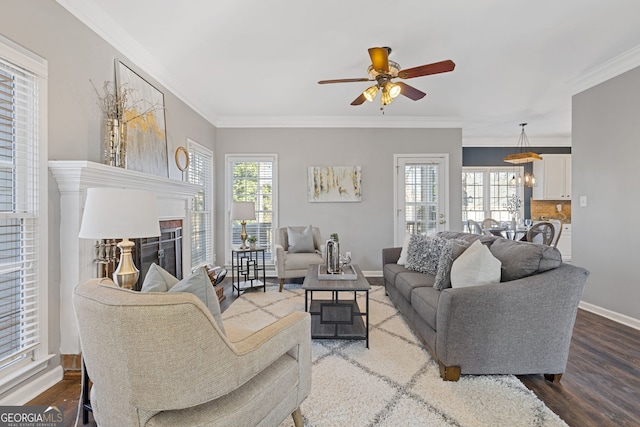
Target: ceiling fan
{"x":382,"y":71}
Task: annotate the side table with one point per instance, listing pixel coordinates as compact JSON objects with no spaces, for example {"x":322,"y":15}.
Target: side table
{"x":247,"y":265}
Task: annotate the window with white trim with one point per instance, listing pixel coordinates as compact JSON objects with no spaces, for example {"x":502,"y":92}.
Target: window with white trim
{"x":200,"y":172}
{"x":23,"y":290}
{"x":485,"y":192}
{"x":252,"y":178}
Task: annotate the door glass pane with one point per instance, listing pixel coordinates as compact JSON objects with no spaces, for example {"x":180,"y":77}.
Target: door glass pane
{"x":421,"y":197}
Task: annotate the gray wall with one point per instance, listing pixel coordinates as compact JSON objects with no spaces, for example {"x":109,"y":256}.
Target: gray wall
{"x":75,"y":55}
{"x":606,"y":147}
{"x":364,"y":228}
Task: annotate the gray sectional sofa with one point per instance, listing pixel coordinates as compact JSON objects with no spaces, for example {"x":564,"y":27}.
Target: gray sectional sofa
{"x":520,"y":326}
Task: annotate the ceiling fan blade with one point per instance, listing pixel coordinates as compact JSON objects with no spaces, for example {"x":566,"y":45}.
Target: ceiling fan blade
{"x":410,"y":91}
{"x":324,"y":82}
{"x":380,"y":59}
{"x":425,"y":70}
{"x":359,"y":100}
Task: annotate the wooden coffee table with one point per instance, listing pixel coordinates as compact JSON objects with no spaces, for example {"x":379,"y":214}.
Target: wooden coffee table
{"x":333,"y":317}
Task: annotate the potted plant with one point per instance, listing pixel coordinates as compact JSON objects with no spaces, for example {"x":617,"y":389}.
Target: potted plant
{"x":252,"y":241}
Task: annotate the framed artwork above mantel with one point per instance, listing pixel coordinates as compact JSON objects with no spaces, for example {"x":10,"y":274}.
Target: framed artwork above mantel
{"x":146,"y":137}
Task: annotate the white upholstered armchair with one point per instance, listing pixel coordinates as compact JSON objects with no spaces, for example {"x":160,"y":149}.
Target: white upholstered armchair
{"x":160,"y":359}
{"x":290,"y":264}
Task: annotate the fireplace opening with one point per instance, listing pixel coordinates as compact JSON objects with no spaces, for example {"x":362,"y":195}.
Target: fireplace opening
{"x":165,"y":251}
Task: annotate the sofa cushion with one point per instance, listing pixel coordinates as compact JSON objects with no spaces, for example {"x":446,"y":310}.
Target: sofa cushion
{"x":158,"y":279}
{"x":408,"y":280}
{"x":300,"y":241}
{"x":476,"y":266}
{"x":467,"y":237}
{"x":424,"y":301}
{"x":302,"y":261}
{"x":390,"y":271}
{"x":522,"y":259}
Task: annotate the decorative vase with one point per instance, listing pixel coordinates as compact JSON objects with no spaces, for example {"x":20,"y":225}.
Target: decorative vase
{"x":252,"y":245}
{"x":115,"y":143}
{"x":332,"y":256}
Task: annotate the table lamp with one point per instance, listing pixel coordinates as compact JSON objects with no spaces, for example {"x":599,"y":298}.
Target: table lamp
{"x":242,"y":211}
{"x":118,"y":213}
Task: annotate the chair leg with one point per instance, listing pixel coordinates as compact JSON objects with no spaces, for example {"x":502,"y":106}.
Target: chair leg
{"x":297,"y":417}
{"x":281,"y":284}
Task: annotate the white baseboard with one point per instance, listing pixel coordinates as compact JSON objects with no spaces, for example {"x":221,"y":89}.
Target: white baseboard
{"x":33,"y":388}
{"x":616,"y":317}
{"x":372,"y":273}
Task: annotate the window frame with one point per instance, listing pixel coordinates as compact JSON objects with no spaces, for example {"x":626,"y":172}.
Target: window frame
{"x":487,"y":171}
{"x":228,"y":185}
{"x":17,"y":372}
{"x":195,"y":148}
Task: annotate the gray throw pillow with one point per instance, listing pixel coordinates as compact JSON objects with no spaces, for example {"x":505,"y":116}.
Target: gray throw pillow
{"x":522,"y":259}
{"x":300,"y":241}
{"x":443,"y":277}
{"x":198,"y":284}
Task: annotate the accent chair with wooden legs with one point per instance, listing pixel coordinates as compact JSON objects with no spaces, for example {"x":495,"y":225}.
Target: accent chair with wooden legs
{"x":161,"y":359}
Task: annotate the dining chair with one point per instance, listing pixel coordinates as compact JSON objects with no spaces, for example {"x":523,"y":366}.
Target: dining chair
{"x":474,"y":227}
{"x":557,"y":224}
{"x":541,"y":232}
{"x":489,"y":223}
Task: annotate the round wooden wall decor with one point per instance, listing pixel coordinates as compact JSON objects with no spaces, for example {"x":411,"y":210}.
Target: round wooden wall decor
{"x":182,"y":158}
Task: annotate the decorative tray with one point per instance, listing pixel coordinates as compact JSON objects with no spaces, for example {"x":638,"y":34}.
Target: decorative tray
{"x":347,"y":273}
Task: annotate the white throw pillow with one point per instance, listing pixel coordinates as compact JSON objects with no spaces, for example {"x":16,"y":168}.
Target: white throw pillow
{"x":300,"y":241}
{"x":198,"y":284}
{"x":476,"y":266}
{"x":405,"y":249}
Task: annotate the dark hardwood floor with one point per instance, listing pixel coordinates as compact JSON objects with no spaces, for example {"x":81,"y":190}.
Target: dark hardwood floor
{"x":601,"y":386}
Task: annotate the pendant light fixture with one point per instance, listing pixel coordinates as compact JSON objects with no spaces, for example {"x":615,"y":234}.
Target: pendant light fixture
{"x":524,"y":153}
{"x":521,"y":156}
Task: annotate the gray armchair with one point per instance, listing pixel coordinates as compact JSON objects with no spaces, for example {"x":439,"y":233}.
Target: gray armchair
{"x":160,"y":359}
{"x":290,"y":265}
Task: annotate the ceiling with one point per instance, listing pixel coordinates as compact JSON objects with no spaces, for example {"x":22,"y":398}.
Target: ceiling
{"x":257,"y":63}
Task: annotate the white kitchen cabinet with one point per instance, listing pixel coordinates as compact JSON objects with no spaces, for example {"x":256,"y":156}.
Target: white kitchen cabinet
{"x":564,"y":244}
{"x":553,"y":176}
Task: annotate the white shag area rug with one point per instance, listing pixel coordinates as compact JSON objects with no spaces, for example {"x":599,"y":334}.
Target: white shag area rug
{"x":395,"y":382}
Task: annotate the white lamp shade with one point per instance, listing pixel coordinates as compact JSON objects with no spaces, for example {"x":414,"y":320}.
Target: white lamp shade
{"x":243,"y":211}
{"x":119,"y":213}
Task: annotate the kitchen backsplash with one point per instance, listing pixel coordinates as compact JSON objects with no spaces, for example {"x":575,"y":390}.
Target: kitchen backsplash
{"x":547,"y":208}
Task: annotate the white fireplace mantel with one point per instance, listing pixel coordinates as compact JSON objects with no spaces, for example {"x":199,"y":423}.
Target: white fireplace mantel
{"x":76,"y":255}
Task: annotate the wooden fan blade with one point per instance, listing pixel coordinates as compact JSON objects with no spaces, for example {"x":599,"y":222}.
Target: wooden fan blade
{"x":410,"y":91}
{"x":425,"y":70}
{"x":359,"y":100}
{"x":324,"y":82}
{"x":380,"y":59}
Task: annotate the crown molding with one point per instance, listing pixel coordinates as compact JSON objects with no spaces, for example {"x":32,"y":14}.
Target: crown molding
{"x":337,"y":122}
{"x":511,"y":142}
{"x":102,"y":24}
{"x":608,"y":70}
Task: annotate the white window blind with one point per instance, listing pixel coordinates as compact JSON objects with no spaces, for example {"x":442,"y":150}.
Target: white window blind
{"x":200,"y":172}
{"x":19,"y":214}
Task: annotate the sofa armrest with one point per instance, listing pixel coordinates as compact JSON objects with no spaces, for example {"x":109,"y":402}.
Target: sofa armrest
{"x":390,"y":255}
{"x":502,"y":327}
{"x":279,"y":259}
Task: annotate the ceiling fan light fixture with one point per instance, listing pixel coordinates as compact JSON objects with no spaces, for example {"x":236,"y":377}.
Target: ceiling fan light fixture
{"x":386,"y":98}
{"x":393,"y":89}
{"x":370,"y":93}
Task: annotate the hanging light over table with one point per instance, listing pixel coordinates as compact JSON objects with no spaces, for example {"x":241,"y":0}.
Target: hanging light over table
{"x":524,"y":153}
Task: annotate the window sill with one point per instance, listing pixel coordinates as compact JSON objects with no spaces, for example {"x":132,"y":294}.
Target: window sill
{"x":23,"y":373}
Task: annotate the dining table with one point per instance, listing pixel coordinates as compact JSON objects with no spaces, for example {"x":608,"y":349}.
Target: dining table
{"x":519,"y":233}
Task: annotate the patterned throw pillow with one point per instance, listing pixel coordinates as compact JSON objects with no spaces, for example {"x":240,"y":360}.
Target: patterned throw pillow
{"x":434,"y":255}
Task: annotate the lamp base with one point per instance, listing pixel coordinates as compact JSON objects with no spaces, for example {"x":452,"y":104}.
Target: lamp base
{"x":126,"y":275}
{"x":243,"y":236}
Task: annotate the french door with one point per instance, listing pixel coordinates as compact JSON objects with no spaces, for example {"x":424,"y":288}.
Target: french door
{"x":422,"y":188}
